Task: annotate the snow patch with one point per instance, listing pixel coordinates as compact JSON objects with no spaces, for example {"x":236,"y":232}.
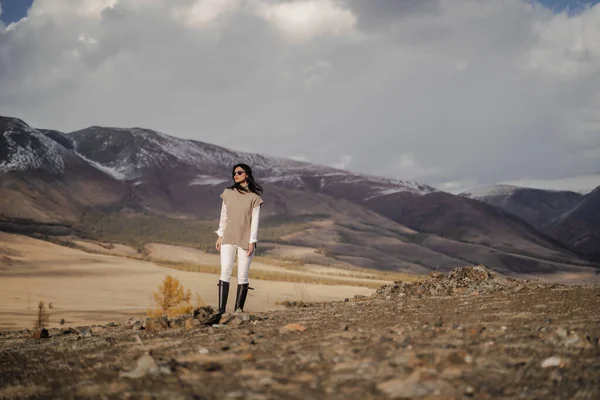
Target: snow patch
{"x":206,"y":180}
{"x":583,"y":184}
{"x":23,"y":156}
{"x":113,"y":172}
{"x":479,"y":192}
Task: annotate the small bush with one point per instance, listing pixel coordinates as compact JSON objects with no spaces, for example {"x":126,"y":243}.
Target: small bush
{"x":42,"y":316}
{"x":172,"y":299}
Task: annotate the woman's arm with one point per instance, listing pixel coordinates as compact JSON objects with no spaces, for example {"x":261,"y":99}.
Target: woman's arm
{"x":254,"y":224}
{"x":223,"y":220}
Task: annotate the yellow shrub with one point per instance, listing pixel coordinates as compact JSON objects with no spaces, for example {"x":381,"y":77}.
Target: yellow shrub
{"x":42,"y":316}
{"x":171,"y":299}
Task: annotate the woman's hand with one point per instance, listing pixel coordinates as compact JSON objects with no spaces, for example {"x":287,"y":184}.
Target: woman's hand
{"x":218,"y":244}
{"x":250,"y":249}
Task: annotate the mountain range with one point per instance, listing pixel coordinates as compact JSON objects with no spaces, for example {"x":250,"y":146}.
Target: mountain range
{"x":572,"y":218}
{"x":50,"y":181}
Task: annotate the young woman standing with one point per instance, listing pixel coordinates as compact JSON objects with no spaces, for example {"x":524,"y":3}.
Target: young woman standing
{"x":238,"y":232}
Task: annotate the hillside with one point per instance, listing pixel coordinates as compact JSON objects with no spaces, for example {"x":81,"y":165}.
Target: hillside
{"x":580,"y":227}
{"x":136,"y":186}
{"x":570,"y":218}
{"x":438,"y":339}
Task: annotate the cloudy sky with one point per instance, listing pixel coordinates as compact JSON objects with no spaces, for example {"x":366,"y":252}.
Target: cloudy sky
{"x":451,"y":93}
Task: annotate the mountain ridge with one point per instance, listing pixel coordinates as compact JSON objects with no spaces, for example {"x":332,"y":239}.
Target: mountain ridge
{"x":370,"y":221}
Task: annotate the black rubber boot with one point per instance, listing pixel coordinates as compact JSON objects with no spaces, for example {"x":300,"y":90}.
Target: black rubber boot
{"x":240,"y":298}
{"x":223,"y":293}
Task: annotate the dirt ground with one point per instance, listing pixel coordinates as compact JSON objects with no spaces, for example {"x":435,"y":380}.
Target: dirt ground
{"x":87,"y":288}
{"x":466,"y":334}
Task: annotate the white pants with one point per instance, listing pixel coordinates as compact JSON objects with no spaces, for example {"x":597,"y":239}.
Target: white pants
{"x":228,"y":256}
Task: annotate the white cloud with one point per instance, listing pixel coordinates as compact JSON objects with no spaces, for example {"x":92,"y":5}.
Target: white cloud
{"x":306,"y":19}
{"x":204,"y":12}
{"x":448,"y":93}
{"x":567,"y":45}
{"x":343,"y":163}
{"x":62,"y":8}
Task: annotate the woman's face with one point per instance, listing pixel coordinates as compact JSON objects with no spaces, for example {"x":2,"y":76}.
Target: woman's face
{"x":239,"y":175}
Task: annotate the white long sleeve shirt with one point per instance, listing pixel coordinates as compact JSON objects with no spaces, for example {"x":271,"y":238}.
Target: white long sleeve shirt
{"x":253,"y":222}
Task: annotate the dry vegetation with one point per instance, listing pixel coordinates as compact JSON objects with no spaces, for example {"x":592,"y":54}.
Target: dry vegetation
{"x":270,"y":275}
{"x":42,"y":316}
{"x":172,"y":299}
{"x":352,"y":272}
{"x":293,"y":277}
{"x":138,"y":229}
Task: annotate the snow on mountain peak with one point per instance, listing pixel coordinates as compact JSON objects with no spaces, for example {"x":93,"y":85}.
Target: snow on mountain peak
{"x":582,"y":184}
{"x":23,"y":148}
{"x":479,"y":192}
{"x":128,"y":151}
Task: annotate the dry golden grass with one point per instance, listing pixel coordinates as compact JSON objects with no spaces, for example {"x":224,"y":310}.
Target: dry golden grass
{"x":359,"y":273}
{"x":285,"y":277}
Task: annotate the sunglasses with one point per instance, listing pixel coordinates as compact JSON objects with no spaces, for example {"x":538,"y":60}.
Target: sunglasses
{"x":238,"y":173}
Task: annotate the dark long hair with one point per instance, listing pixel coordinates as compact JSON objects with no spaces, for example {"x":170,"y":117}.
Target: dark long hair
{"x":253,"y":186}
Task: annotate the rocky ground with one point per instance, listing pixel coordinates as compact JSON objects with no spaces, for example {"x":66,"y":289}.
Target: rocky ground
{"x":466,"y":334}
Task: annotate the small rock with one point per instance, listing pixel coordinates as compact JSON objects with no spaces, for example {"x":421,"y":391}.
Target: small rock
{"x":69,"y":331}
{"x":207,"y":316}
{"x":554,"y":361}
{"x":156,"y":324}
{"x":203,"y":350}
{"x":470,"y":391}
{"x":292,"y":328}
{"x":459,"y":357}
{"x":146,"y":365}
{"x":41,"y":334}
{"x":562,"y":332}
{"x":133,"y":321}
{"x":179,"y":322}
{"x":421,"y":383}
{"x":85,"y":332}
{"x":191,"y":323}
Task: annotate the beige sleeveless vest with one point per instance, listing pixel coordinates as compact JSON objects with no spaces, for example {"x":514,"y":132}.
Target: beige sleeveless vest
{"x":239,"y":216}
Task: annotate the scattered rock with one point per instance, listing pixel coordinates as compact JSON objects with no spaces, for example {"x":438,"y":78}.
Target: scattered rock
{"x":41,"y":334}
{"x":134,"y":323}
{"x":156,"y":324}
{"x":470,"y":391}
{"x":146,"y":365}
{"x":363,"y":349}
{"x":207,"y":315}
{"x":292,"y":328}
{"x":69,"y":331}
{"x":554,"y":361}
{"x":191,"y":323}
{"x":475,"y":281}
{"x":85,"y":332}
{"x":421,"y":383}
{"x":178,"y":322}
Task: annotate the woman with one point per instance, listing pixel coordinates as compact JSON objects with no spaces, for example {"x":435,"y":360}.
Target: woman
{"x":238,"y":232}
